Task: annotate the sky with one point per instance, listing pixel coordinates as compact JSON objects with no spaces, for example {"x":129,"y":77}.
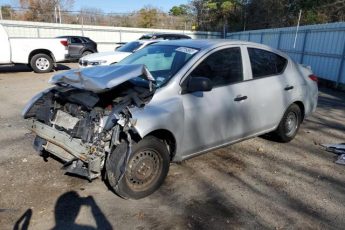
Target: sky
{"x":118,"y":6}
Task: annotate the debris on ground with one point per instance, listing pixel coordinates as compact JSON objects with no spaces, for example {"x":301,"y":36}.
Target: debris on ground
{"x":337,"y":149}
{"x":341,"y":159}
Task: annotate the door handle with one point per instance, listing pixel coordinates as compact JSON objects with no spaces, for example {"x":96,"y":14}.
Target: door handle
{"x":287,"y":88}
{"x":240,"y":98}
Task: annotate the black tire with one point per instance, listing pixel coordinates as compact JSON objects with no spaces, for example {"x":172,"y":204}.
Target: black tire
{"x":289,"y":125}
{"x":86,"y":53}
{"x":41,"y":63}
{"x":135,"y":183}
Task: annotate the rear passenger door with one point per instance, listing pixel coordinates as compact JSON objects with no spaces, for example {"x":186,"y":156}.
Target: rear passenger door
{"x":268,"y":95}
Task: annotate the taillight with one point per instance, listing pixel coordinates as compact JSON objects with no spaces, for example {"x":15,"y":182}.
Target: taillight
{"x":313,"y":77}
{"x":64,"y":42}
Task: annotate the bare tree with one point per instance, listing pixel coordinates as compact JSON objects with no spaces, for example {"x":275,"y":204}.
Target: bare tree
{"x":44,"y":10}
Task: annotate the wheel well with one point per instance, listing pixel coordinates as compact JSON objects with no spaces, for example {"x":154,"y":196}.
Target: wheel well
{"x":168,"y":139}
{"x":41,"y":51}
{"x":301,"y":107}
{"x":87,"y":50}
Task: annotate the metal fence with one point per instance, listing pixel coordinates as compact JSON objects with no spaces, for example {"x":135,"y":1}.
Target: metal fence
{"x":320,"y":46}
{"x":106,"y":37}
{"x":91,"y":16}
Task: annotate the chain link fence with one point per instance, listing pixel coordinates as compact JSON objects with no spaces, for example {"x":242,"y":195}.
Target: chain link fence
{"x":157,"y":20}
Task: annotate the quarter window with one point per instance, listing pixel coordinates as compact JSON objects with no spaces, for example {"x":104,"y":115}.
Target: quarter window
{"x":222,"y":67}
{"x":265,"y":63}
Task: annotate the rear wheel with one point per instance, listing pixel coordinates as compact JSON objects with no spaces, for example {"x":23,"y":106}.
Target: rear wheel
{"x":145,"y":171}
{"x":41,"y":63}
{"x":289,"y":124}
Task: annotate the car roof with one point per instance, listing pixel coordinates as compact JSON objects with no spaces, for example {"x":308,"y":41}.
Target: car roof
{"x":159,"y":34}
{"x":167,"y":35}
{"x":212,"y":43}
{"x":145,"y":41}
{"x":72,"y":36}
{"x":149,"y":41}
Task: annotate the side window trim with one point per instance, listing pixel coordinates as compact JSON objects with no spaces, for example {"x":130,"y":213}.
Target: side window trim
{"x":247,"y":68}
{"x":186,"y":76}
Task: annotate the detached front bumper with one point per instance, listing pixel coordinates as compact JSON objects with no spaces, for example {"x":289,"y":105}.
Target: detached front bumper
{"x":77,"y":155}
{"x":63,"y":146}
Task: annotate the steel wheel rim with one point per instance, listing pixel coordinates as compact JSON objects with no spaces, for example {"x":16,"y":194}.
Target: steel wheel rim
{"x":291,"y":124}
{"x":143,"y":169}
{"x":42,"y":63}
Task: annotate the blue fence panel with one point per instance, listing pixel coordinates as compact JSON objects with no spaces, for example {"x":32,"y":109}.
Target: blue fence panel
{"x":320,"y":46}
{"x":270,"y":39}
{"x":255,"y":37}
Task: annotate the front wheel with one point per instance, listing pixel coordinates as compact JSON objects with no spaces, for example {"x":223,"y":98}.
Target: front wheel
{"x":145,"y":171}
{"x":41,"y":63}
{"x":289,"y":124}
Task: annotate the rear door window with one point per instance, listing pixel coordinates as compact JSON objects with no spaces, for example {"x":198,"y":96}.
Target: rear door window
{"x":265,"y":63}
{"x":75,"y":40}
{"x":84,"y":40}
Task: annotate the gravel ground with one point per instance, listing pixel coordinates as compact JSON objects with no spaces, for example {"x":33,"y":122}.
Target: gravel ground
{"x":256,"y":184}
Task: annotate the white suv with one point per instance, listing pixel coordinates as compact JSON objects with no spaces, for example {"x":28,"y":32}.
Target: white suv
{"x":112,"y":57}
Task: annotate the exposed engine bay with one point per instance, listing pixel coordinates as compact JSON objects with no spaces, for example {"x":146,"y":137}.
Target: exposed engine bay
{"x":81,"y":127}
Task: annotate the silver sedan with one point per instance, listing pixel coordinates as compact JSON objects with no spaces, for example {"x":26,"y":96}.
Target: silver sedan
{"x":168,"y":102}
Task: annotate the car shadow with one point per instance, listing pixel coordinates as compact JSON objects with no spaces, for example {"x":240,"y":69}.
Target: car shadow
{"x":67,"y":208}
{"x":62,"y":67}
{"x":26,"y":68}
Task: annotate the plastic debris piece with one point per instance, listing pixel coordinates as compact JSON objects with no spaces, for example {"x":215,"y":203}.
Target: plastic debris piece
{"x":335,"y":148}
{"x":341,"y":159}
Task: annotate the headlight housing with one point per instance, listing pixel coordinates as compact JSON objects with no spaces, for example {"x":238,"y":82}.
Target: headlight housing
{"x":97,"y":62}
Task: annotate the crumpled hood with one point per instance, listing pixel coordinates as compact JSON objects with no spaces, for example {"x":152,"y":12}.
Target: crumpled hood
{"x":101,"y":78}
{"x":110,"y":55}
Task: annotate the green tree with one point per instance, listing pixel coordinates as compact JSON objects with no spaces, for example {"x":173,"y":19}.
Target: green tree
{"x":180,"y":10}
{"x":222,"y":9}
{"x":148,"y":16}
{"x":7,"y":12}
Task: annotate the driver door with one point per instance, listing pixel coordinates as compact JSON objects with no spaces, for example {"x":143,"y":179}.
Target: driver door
{"x":214,"y":118}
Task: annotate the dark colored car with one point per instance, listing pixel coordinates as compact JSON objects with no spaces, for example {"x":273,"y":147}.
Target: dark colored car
{"x":79,"y":46}
{"x":164,"y":36}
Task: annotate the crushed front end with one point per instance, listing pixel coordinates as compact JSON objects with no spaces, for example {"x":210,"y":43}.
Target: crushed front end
{"x":81,"y":124}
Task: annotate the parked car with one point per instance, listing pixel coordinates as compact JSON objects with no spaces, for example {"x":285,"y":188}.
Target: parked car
{"x":79,"y":46}
{"x":40,"y":54}
{"x":168,"y":102}
{"x":112,"y":57}
{"x":164,"y":36}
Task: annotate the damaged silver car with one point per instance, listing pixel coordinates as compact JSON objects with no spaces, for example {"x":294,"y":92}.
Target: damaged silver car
{"x":166,"y":103}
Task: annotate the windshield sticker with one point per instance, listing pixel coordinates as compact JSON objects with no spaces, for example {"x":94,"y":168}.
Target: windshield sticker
{"x":187,"y":50}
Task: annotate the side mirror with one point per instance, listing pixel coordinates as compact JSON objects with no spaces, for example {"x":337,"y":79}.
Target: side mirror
{"x":200,"y":84}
